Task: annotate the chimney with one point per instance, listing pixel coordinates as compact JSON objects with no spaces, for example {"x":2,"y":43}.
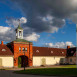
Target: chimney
{"x":68,"y":47}
{"x":1,"y":42}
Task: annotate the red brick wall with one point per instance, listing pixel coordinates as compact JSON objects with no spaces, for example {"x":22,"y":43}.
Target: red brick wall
{"x":18,"y":53}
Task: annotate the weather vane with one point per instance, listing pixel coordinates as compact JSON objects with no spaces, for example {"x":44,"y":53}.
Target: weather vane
{"x":19,"y":21}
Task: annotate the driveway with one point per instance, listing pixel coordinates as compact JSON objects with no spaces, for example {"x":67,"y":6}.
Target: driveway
{"x":9,"y":73}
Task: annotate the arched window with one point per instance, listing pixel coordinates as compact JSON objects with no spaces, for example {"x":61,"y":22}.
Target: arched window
{"x":26,"y":49}
{"x":43,"y":60}
{"x":20,"y":33}
{"x":19,"y":48}
{"x":37,"y":50}
{"x":23,"y":49}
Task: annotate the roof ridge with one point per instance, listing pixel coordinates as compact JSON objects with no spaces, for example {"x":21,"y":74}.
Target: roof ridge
{"x":49,"y":47}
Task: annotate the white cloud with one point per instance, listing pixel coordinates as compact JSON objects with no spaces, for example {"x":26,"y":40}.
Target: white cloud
{"x":49,"y":44}
{"x":32,"y":37}
{"x":7,"y":33}
{"x":60,"y":44}
{"x":47,"y":18}
{"x":69,"y":43}
{"x":53,"y":29}
{"x":23,"y":20}
{"x":74,"y":3}
{"x":4,"y":29}
{"x":15,"y":22}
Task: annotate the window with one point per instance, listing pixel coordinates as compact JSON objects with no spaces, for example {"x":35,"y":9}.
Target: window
{"x":62,"y":60}
{"x":70,"y":60}
{"x":20,"y":33}
{"x":3,"y":49}
{"x":62,"y":52}
{"x":51,"y":51}
{"x":19,"y":48}
{"x":37,"y":51}
{"x":23,"y":49}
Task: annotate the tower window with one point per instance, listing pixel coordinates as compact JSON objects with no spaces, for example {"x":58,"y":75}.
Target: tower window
{"x":20,"y":33}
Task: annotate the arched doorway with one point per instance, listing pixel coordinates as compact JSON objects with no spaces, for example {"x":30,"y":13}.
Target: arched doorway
{"x":22,"y":60}
{"x":43,"y":60}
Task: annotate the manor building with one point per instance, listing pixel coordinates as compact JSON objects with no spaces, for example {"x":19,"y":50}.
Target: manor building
{"x":21,"y":52}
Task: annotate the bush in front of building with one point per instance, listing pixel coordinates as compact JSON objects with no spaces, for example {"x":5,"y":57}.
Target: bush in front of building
{"x":19,"y":62}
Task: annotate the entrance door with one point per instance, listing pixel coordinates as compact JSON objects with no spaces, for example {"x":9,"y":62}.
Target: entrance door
{"x":23,"y":60}
{"x":0,"y":62}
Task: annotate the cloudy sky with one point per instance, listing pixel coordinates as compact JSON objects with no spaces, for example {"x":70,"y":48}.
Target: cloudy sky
{"x":50,"y":23}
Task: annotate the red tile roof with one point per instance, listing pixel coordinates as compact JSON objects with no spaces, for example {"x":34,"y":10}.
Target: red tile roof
{"x":5,"y":51}
{"x":46,"y":51}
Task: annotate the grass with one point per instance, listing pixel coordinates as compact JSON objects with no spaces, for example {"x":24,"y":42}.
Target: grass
{"x":2,"y":69}
{"x":68,"y":70}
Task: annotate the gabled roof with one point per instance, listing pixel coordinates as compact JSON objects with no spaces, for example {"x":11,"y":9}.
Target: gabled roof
{"x":46,"y":51}
{"x":71,"y":51}
{"x":5,"y":51}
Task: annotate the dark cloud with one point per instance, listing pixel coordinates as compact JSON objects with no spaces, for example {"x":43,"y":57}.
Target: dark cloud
{"x":36,"y":10}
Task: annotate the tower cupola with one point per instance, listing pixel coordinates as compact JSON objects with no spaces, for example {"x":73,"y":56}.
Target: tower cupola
{"x":19,"y":32}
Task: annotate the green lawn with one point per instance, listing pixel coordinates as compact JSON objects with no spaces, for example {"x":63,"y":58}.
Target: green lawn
{"x":68,"y":70}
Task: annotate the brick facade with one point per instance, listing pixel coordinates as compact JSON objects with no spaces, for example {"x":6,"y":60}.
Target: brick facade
{"x":17,"y":53}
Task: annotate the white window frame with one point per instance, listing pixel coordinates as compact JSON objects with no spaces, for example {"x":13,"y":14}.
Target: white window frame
{"x":19,"y":48}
